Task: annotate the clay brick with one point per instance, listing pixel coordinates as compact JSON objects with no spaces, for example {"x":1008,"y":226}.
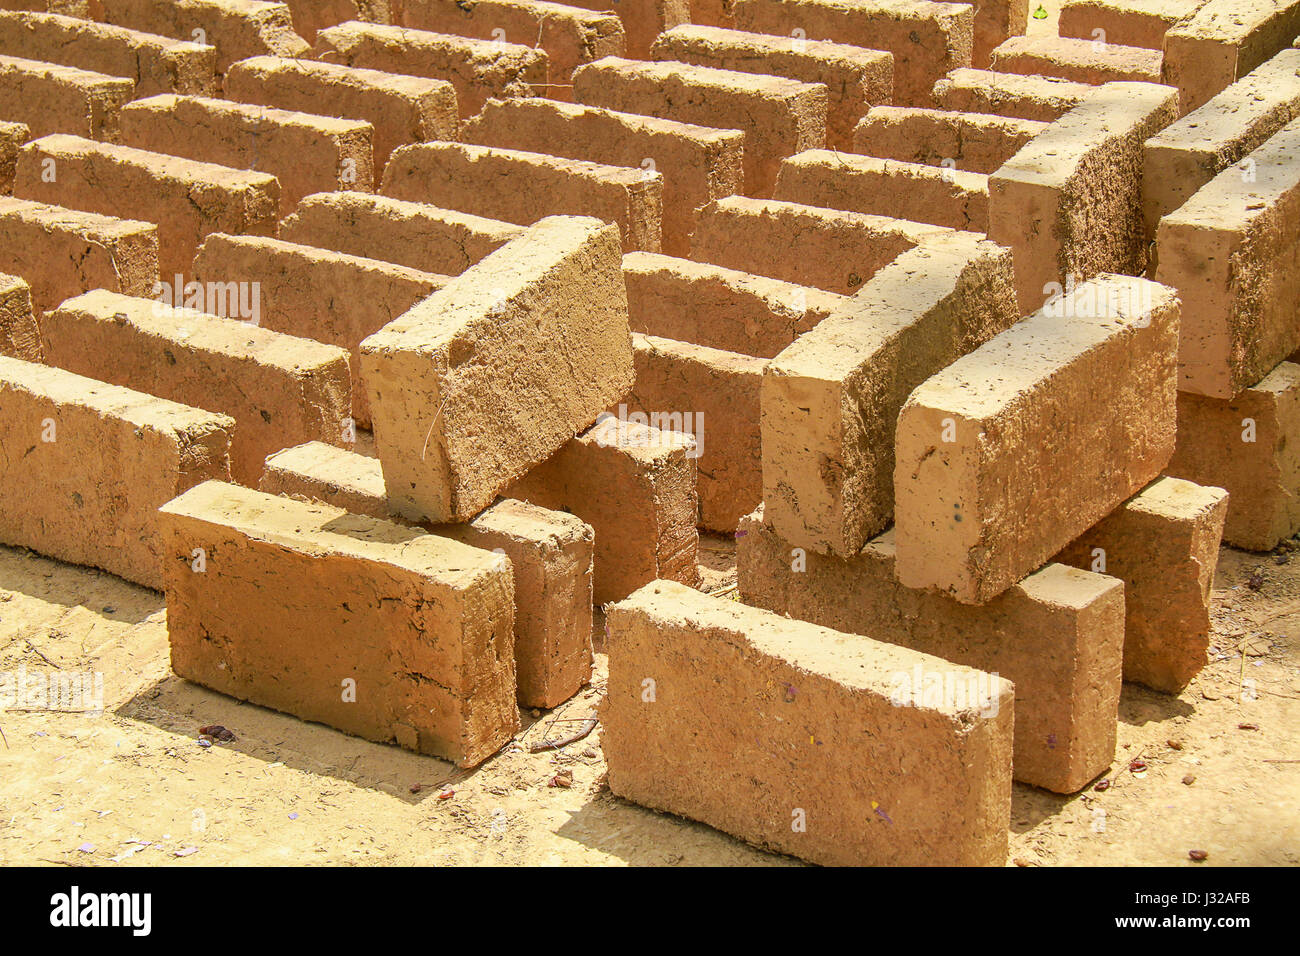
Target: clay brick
{"x":304,"y":152}
{"x":491,"y":375}
{"x":317,"y":294}
{"x":312,"y":17}
{"x":550,"y":553}
{"x":570,"y":36}
{"x":1247,"y":446}
{"x":978,"y":142}
{"x":643,"y":20}
{"x":713,"y":13}
{"x":838,"y":251}
{"x":995,"y":21}
{"x":295,"y":599}
{"x":523,"y":187}
{"x":1222,"y":42}
{"x":12,"y":137}
{"x":402,"y":109}
{"x":1187,"y":154}
{"x":280,"y":390}
{"x":1069,"y":204}
{"x":154,"y":64}
{"x":926,"y":39}
{"x":1081,"y":61}
{"x":478,"y":69}
{"x":1128,"y":22}
{"x":698,"y":164}
{"x":635,"y":485}
{"x":1163,"y":543}
{"x":1042,"y":98}
{"x":85,"y":9}
{"x":719,"y":308}
{"x":92,"y":462}
{"x":935,"y":777}
{"x":883,"y":187}
{"x":238,"y":29}
{"x":410,"y":234}
{"x":855,"y":78}
{"x":831,"y":400}
{"x":19,"y":336}
{"x":779,"y":117}
{"x":63,"y":252}
{"x":49,"y":98}
{"x":1005,"y":457}
{"x":1233,"y":253}
{"x":715,"y":396}
{"x":1058,"y":635}
{"x":186,"y":199}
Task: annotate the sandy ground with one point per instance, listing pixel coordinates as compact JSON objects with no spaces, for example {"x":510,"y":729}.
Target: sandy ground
{"x":133,"y":785}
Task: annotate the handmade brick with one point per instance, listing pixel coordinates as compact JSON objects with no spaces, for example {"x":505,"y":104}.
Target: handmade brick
{"x":1042,"y":98}
{"x":1129,"y":22}
{"x":978,"y":142}
{"x":1222,"y":42}
{"x":491,"y":375}
{"x":523,"y":187}
{"x":19,"y":336}
{"x":1058,"y":635}
{"x":236,"y":28}
{"x":297,"y":598}
{"x":1163,"y":543}
{"x":91,"y":463}
{"x":831,"y":400}
{"x":934,"y":777}
{"x":12,"y":137}
{"x":643,"y":20}
{"x":1081,"y":61}
{"x":49,"y":98}
{"x":1006,"y":456}
{"x":312,"y":17}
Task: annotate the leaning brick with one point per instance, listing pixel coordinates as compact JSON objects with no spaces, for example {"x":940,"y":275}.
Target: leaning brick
{"x":697,"y":681}
{"x":1081,"y":61}
{"x":643,"y":20}
{"x":49,"y":98}
{"x":12,"y":137}
{"x":237,"y":29}
{"x":977,"y":142}
{"x":1129,"y":22}
{"x":312,"y":17}
{"x":296,"y":601}
{"x":1222,"y":42}
{"x":1042,"y":98}
{"x":19,"y":336}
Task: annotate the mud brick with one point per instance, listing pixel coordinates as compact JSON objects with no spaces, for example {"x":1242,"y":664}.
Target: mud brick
{"x":635,"y":485}
{"x":523,"y":187}
{"x":186,"y":199}
{"x":698,"y":164}
{"x":643,"y":20}
{"x":1233,"y":253}
{"x":832,"y":399}
{"x":1069,"y":204}
{"x":12,"y":137}
{"x":883,"y":187}
{"x":995,"y":21}
{"x":1247,"y":446}
{"x":846,"y":776}
{"x":402,"y":109}
{"x":779,"y":117}
{"x":19,"y":336}
{"x":836,"y":251}
{"x":1081,"y":61}
{"x":280,"y":390}
{"x":569,"y":35}
{"x":91,"y":463}
{"x":154,"y":64}
{"x":991,"y":476}
{"x":1187,"y":154}
{"x":304,"y":152}
{"x":713,"y":13}
{"x":317,"y":294}
{"x":926,"y":39}
{"x":1130,"y":22}
{"x":715,"y":395}
{"x":1058,"y":635}
{"x":49,"y":98}
{"x":441,"y":241}
{"x":855,"y":78}
{"x":550,"y":553}
{"x":719,"y":308}
{"x":491,"y":375}
{"x":978,"y":142}
{"x":1042,"y":98}
{"x":297,"y":599}
{"x":313,"y":17}
{"x":85,"y":9}
{"x":1163,"y":543}
{"x":478,"y":69}
{"x":63,"y":252}
{"x":238,"y":29}
{"x":1222,"y":42}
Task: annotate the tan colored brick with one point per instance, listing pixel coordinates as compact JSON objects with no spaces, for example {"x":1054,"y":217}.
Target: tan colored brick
{"x":1163,"y":543}
{"x":49,"y":98}
{"x":1222,"y":42}
{"x":1042,"y":98}
{"x":19,"y":336}
{"x":1081,"y":61}
{"x":846,"y":776}
{"x":550,"y":554}
{"x":93,"y":462}
{"x":237,"y":29}
{"x":297,"y":599}
{"x":312,"y":17}
{"x":1058,"y":635}
{"x":978,"y":142}
{"x":1006,"y":456}
{"x":12,"y":137}
{"x":1129,"y":22}
{"x":643,"y":20}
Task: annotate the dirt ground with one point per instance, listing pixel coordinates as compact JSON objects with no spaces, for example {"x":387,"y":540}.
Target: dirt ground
{"x":133,"y":786}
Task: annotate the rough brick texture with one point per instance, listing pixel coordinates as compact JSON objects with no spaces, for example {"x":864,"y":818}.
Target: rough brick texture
{"x":12,"y":137}
{"x":977,"y":142}
{"x":19,"y":336}
{"x":49,"y":98}
{"x":237,"y":29}
{"x":1081,"y":61}
{"x":1222,"y":42}
{"x":1042,"y":98}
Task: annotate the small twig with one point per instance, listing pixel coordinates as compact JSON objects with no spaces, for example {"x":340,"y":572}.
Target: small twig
{"x":1282,"y":761}
{"x":588,"y":725}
